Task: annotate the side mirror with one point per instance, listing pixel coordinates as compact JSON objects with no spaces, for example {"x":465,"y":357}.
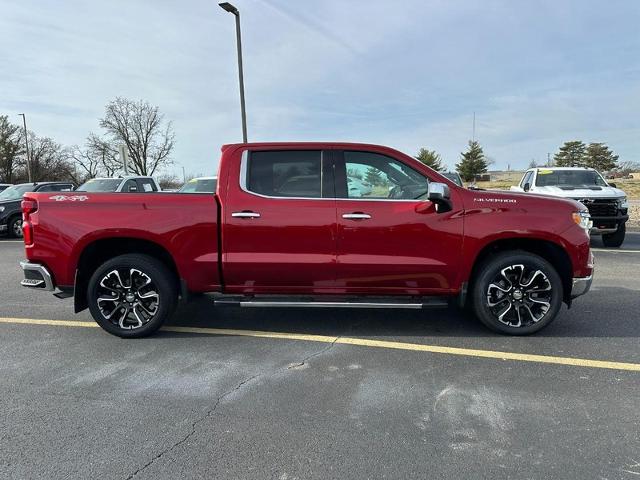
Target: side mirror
{"x":440,"y":195}
{"x":611,"y":184}
{"x":526,"y":187}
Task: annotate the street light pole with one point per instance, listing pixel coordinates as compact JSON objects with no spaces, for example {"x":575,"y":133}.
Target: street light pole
{"x":26,"y":142}
{"x":231,"y":9}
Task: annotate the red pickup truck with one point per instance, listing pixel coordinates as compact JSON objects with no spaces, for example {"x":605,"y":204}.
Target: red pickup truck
{"x":311,"y":224}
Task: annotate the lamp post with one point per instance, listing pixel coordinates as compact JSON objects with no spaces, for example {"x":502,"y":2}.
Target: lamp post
{"x":231,"y":9}
{"x":26,"y":143}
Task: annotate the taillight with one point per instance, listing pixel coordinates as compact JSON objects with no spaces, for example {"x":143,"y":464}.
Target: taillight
{"x":29,"y":206}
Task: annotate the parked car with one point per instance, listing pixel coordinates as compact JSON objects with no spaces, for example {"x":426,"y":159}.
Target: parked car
{"x":4,"y":186}
{"x":10,"y":198}
{"x":267,"y":238}
{"x":607,"y":204}
{"x":454,"y":177}
{"x":200,"y":185}
{"x":128,"y":184}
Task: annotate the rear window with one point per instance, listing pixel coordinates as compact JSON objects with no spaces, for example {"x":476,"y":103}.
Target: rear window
{"x":290,"y":173}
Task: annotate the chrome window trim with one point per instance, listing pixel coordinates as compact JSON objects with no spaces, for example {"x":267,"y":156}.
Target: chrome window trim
{"x":244,"y":161}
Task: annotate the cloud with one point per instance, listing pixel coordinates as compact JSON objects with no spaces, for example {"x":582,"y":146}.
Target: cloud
{"x":407,"y":74}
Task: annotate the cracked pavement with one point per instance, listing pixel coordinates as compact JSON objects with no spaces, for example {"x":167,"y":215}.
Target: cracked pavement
{"x":78,"y":403}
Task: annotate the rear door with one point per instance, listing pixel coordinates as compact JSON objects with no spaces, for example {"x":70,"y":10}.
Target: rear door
{"x":279,"y":227}
{"x":390,"y":239}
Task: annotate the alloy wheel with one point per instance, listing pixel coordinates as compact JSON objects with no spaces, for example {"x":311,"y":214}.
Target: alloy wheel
{"x":519,"y":296}
{"x":130,"y":303}
{"x":17,"y":228}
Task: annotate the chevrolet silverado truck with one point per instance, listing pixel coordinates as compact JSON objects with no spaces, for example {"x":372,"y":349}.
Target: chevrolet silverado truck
{"x":284,"y":230}
{"x":607,"y":205}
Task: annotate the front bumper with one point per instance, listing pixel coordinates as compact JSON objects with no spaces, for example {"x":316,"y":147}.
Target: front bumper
{"x":581,"y":285}
{"x":37,"y":276}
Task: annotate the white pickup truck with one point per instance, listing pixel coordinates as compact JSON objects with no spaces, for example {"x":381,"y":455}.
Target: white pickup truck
{"x":607,"y":204}
{"x":130,"y":184}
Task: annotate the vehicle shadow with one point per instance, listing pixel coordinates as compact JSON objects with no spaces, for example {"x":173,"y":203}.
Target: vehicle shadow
{"x":605,"y":313}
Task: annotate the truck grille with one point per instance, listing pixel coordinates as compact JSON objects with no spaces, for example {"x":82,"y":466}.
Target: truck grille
{"x":600,"y":208}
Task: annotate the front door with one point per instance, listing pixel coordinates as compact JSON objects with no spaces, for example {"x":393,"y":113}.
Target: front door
{"x":279,"y":231}
{"x":390,"y":239}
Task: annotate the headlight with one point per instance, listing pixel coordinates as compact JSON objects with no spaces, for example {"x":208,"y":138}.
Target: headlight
{"x":1,"y":209}
{"x":583,"y":219}
{"x":622,"y":203}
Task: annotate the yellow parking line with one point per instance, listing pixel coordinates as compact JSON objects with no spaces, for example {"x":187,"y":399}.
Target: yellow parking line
{"x":362,"y":342}
{"x":614,"y":251}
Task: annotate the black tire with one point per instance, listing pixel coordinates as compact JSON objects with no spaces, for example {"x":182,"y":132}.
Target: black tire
{"x":510,"y":291}
{"x":615,"y":239}
{"x":14,"y":227}
{"x":132,"y":307}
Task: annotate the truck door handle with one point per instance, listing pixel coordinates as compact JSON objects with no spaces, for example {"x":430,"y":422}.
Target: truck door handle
{"x":356,"y":216}
{"x":245,"y":214}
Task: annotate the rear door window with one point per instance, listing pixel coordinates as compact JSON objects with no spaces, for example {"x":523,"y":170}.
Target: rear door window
{"x":146,"y":185}
{"x":287,"y":174}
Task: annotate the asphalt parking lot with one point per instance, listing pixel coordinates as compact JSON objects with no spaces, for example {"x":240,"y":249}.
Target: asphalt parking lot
{"x":340,"y":394}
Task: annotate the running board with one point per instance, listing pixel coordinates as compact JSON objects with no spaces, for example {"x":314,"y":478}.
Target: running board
{"x":265,"y":302}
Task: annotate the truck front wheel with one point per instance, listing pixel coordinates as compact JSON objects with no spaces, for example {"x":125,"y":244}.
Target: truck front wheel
{"x":517,"y":293}
{"x":615,"y":239}
{"x":132,"y":295}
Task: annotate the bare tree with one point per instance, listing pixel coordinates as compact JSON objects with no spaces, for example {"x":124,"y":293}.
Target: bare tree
{"x":86,"y":165}
{"x":106,"y":154}
{"x":143,"y":129}
{"x":11,"y":148}
{"x":49,"y":160}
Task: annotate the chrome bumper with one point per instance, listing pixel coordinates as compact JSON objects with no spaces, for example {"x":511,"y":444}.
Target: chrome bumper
{"x":36,"y":276}
{"x":581,"y":285}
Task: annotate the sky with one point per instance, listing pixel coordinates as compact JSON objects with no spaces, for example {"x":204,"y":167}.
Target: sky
{"x":407,"y":74}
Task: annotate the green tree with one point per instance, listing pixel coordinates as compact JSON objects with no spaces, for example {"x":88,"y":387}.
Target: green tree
{"x":571,"y":154}
{"x":599,"y":156}
{"x":11,"y":147}
{"x":431,"y":159}
{"x":472,"y":163}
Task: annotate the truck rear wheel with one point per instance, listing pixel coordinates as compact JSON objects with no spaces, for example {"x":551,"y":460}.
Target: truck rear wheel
{"x":517,"y":293}
{"x":615,"y":239}
{"x":132,"y":295}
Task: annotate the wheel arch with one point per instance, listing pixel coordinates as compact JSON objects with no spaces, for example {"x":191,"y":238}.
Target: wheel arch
{"x":97,"y":252}
{"x":554,"y":253}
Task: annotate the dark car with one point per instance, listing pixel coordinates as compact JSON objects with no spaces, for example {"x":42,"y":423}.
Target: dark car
{"x":10,"y":213}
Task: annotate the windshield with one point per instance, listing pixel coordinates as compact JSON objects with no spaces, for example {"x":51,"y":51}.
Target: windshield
{"x":569,"y":178}
{"x":204,"y":185}
{"x":100,"y":185}
{"x":15,"y":193}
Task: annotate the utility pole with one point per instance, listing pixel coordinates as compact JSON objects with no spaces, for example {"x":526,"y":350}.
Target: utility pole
{"x":473,"y":138}
{"x":26,"y":143}
{"x":548,"y":159}
{"x":184,"y":176}
{"x":233,"y":10}
{"x":124,"y":156}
